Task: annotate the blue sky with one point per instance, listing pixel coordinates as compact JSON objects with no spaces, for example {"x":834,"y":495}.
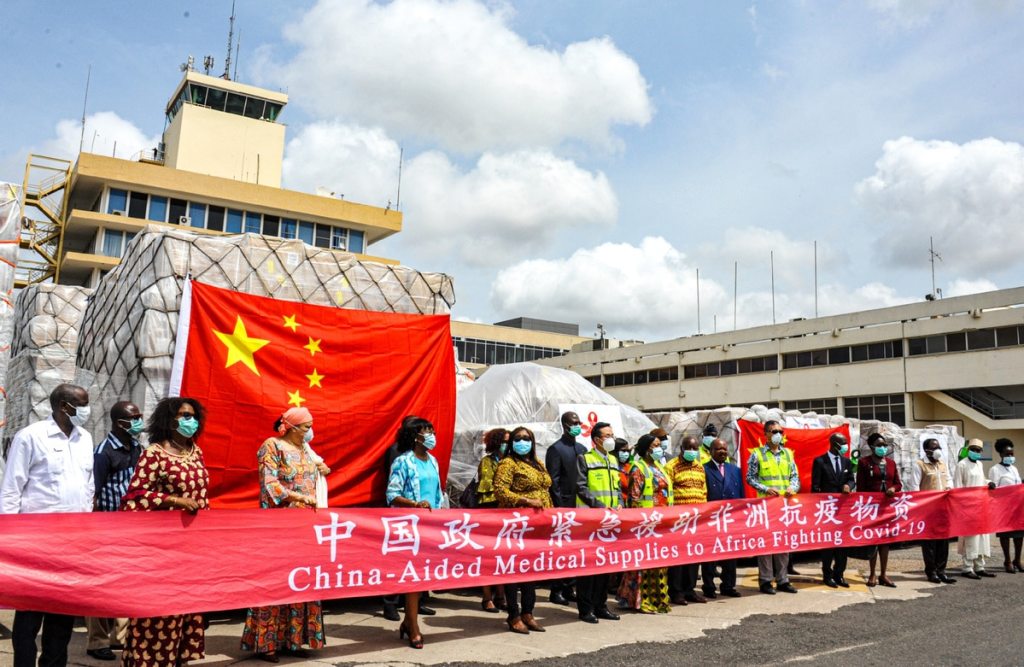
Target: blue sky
{"x":581,"y":160}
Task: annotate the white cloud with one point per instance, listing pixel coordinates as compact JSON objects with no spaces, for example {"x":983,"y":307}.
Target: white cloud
{"x":752,"y":247}
{"x":505,"y":200}
{"x":649,"y":291}
{"x":969,"y":197}
{"x":455,"y":73}
{"x":963,"y":287}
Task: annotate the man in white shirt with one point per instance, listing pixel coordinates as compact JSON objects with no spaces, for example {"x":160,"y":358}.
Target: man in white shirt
{"x":49,"y":469}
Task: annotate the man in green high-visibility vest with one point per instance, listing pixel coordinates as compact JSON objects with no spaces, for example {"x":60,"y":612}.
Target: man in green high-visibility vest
{"x":597,"y":485}
{"x":771,"y":471}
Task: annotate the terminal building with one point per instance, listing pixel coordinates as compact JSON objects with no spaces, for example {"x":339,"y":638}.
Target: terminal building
{"x":952,"y":361}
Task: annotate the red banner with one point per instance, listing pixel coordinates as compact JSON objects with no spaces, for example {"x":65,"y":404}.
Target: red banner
{"x":806,"y":444}
{"x":250,"y":358}
{"x":159,"y":563}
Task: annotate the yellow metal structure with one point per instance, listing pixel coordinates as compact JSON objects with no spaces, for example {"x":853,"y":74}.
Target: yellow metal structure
{"x":44,"y":207}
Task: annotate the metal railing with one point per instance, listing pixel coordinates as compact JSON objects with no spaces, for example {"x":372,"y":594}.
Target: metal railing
{"x":989,"y":403}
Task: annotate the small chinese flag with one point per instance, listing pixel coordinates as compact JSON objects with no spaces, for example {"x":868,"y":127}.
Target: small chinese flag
{"x":250,"y":358}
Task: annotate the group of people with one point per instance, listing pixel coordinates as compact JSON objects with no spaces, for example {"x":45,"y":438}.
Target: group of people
{"x":52,"y":466}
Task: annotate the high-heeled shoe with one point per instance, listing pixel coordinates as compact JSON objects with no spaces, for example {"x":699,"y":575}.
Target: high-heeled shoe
{"x":517,"y":626}
{"x":414,"y":641}
{"x":1008,"y":567}
{"x":488,"y":606}
{"x":531,"y":623}
{"x":1017,"y":565}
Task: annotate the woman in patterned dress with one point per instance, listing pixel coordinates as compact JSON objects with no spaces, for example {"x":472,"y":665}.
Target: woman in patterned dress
{"x":522,"y":481}
{"x":647,"y":590}
{"x":287,"y":479}
{"x":170,"y":475}
{"x":495,"y":447}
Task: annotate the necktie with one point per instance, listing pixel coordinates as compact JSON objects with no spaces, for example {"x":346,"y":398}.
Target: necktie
{"x":839,"y":469}
{"x":721,"y":469}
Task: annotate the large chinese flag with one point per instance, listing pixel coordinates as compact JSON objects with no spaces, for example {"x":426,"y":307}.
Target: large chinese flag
{"x":249,"y":358}
{"x":806,"y":444}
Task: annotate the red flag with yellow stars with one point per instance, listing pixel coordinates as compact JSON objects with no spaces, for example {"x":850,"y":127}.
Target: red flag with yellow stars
{"x":250,"y":358}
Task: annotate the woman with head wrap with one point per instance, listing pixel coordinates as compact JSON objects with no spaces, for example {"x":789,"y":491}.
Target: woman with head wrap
{"x":288,"y":471}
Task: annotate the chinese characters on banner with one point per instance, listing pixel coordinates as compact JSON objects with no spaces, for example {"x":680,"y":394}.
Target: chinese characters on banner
{"x":47,"y":561}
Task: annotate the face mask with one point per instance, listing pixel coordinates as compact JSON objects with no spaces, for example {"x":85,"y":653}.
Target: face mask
{"x":936,"y":455}
{"x":776,"y":438}
{"x":187,"y":426}
{"x":308,"y":437}
{"x":624,"y":456}
{"x":608,"y":444}
{"x":880,"y":451}
{"x":135,"y":426}
{"x":522,"y":447}
{"x":1009,"y":460}
{"x":81,"y":415}
{"x":690,"y":455}
{"x":575,"y":431}
{"x":974,"y":456}
{"x":504,"y":448}
{"x":843,"y":449}
{"x":665,"y":442}
{"x":707,"y":440}
{"x":657,"y":453}
{"x":429,"y":440}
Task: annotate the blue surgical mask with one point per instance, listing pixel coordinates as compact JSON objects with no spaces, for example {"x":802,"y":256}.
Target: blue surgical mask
{"x":657,"y":453}
{"x":707,"y":440}
{"x":1009,"y":460}
{"x":843,"y":449}
{"x":429,"y":440}
{"x":880,"y":451}
{"x":135,"y":426}
{"x":522,"y":447}
{"x":974,"y":456}
{"x":187,"y":426}
{"x":691,"y":455}
{"x":575,"y":431}
{"x":308,"y":435}
{"x":503,"y":449}
{"x":624,"y":456}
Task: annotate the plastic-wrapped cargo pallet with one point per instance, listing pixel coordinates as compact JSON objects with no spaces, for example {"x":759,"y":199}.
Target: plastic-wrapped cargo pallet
{"x":10,"y":226}
{"x":129,"y":328}
{"x":46,"y":331}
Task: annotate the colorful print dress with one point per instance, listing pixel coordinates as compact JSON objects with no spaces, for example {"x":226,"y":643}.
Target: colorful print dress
{"x":646,"y":590}
{"x":165,"y":640}
{"x":287,"y":626}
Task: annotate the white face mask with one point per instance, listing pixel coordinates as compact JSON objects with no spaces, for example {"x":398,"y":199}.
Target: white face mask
{"x":308,"y":436}
{"x":776,"y":438}
{"x":608,"y":444}
{"x":81,"y":415}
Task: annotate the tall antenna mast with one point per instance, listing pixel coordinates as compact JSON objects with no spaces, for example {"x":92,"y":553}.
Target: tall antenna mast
{"x":85,"y":103}
{"x":231,"y":37}
{"x":238,"y":47}
{"x":815,"y":278}
{"x":398,"y":196}
{"x":932,"y":256}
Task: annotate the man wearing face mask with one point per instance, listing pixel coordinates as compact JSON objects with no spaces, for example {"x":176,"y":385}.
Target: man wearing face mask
{"x":597,"y":485}
{"x":113,"y":464}
{"x":689,"y":487}
{"x":706,"y":438}
{"x":771,"y":471}
{"x":931,"y":474}
{"x":560,"y":460}
{"x":832,"y":473}
{"x":49,"y":469}
{"x":974,"y":548}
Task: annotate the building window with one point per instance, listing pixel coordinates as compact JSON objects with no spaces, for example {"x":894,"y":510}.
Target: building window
{"x":731,"y":367}
{"x":198,"y":214}
{"x":216,"y":219}
{"x":1007,"y":336}
{"x":234,"y":225}
{"x":271,"y":225}
{"x":477,"y":351}
{"x":253,"y":224}
{"x":114,"y":242}
{"x":179,"y":210}
{"x":323,"y":237}
{"x":355,"y":241}
{"x":594,"y":380}
{"x":890,"y":349}
{"x":157,"y":208}
{"x":667,"y":374}
{"x":306,"y":232}
{"x":886,"y":407}
{"x":289,"y":228}
{"x":137,"y":205}
{"x":117,"y":202}
{"x":339,"y":239}
{"x":820,"y":405}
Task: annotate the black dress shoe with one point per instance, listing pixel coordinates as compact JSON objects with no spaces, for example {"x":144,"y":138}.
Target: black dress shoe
{"x":731,"y":593}
{"x":986,"y":573}
{"x":588,"y":618}
{"x":841,"y":581}
{"x":968,"y":574}
{"x":558,"y":598}
{"x":427,"y":611}
{"x":711,"y":595}
{"x":946,"y":580}
{"x":569,"y":594}
{"x":786,"y":588}
{"x":767,"y":588}
{"x":695,"y":598}
{"x":828,"y":581}
{"x":679,"y":599}
{"x":391,"y":612}
{"x":101,"y":654}
{"x":934,"y":578}
{"x":606,"y":615}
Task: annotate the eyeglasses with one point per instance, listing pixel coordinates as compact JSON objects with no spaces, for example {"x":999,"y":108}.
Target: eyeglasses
{"x":775,"y":432}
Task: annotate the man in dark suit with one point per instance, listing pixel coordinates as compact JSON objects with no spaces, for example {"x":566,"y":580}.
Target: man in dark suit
{"x":560,"y":461}
{"x":725,"y":482}
{"x":833,"y":473}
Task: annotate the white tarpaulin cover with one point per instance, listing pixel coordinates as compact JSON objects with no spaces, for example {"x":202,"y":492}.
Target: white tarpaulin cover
{"x":529,"y":395}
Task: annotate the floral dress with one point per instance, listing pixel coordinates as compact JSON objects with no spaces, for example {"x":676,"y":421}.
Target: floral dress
{"x":165,"y":640}
{"x":646,"y":590}
{"x":287,"y":626}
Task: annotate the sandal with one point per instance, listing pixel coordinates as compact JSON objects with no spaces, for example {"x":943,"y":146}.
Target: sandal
{"x":488,"y":606}
{"x":886,"y":581}
{"x":872,"y":581}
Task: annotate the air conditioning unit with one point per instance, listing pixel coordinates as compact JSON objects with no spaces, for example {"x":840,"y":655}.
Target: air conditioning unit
{"x":117,"y":213}
{"x":184,"y":220}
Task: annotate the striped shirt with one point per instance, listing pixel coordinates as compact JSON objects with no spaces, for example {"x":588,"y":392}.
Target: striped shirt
{"x":113,"y":466}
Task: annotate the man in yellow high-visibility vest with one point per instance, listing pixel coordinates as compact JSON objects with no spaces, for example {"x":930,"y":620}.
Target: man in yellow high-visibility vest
{"x":771,"y":471}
